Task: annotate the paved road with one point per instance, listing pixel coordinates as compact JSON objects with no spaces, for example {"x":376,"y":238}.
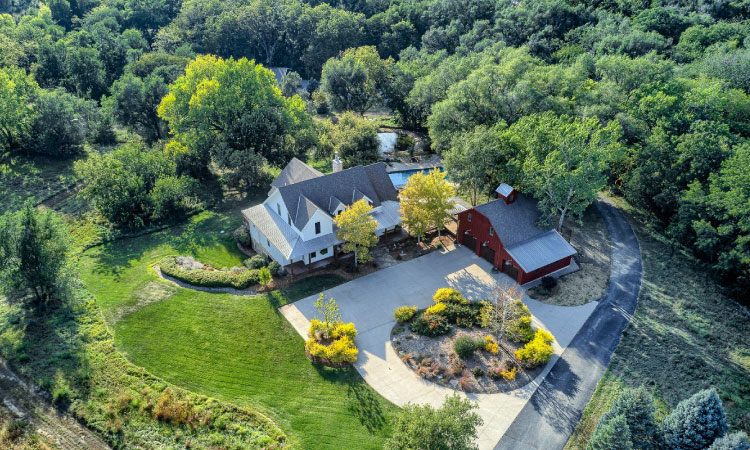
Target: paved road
{"x":550,"y":416}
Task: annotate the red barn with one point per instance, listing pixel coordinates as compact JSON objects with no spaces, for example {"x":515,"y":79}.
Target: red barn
{"x":504,"y":232}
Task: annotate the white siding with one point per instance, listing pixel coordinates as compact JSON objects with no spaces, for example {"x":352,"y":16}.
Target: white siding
{"x":326,"y":226}
{"x":262,"y":245}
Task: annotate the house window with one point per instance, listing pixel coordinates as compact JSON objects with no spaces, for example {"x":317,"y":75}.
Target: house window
{"x":469,"y":217}
{"x":317,"y":227}
{"x":289,"y":219}
{"x":312,"y":255}
{"x":492,"y":231}
{"x":324,"y":251}
{"x":268,"y":242}
{"x":278,"y":208}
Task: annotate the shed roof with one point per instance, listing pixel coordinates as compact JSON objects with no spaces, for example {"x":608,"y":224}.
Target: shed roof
{"x":504,"y":189}
{"x":513,"y":222}
{"x":541,"y":250}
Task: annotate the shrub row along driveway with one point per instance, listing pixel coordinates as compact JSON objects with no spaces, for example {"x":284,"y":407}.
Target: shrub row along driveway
{"x":369,"y":302}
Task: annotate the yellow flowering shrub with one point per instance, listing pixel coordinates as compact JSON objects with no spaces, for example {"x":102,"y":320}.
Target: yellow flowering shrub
{"x":341,"y":348}
{"x":491,"y":346}
{"x":448,"y":295}
{"x":404,"y":313}
{"x":344,"y":330}
{"x":537,"y":351}
{"x":435,"y":309}
{"x":509,"y":375}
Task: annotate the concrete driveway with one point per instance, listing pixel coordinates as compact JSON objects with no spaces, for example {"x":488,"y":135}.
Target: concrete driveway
{"x":369,"y":303}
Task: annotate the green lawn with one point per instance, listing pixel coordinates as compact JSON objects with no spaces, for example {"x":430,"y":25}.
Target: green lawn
{"x":685,"y":336}
{"x":234,"y":348}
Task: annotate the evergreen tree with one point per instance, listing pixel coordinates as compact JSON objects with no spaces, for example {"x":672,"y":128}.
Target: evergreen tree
{"x":695,"y":423}
{"x":733,"y":441}
{"x":637,"y":406}
{"x":611,"y":434}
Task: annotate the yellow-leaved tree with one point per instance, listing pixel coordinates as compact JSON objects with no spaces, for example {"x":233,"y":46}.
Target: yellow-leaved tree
{"x":357,"y":230}
{"x":425,"y":202}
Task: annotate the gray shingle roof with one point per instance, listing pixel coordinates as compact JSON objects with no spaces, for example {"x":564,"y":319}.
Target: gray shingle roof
{"x":513,"y":222}
{"x":540,"y":250}
{"x":372,"y":181}
{"x":294,"y":172}
{"x":333,"y":204}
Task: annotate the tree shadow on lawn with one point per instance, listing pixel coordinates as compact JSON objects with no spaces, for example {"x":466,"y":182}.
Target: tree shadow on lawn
{"x":363,"y":403}
{"x":50,"y":350}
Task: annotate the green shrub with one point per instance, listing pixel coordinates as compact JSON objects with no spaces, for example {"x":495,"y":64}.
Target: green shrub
{"x":242,"y":236}
{"x":477,"y":371}
{"x":465,"y":315}
{"x":404,"y":313}
{"x":209,"y":278}
{"x":264,"y":276}
{"x":255,"y":262}
{"x":465,"y":346}
{"x":274,"y":268}
{"x":695,"y":423}
{"x":518,"y":327}
{"x":430,"y":325}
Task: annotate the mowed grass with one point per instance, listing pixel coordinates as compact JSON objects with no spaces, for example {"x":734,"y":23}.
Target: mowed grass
{"x":685,"y":336}
{"x":235,"y":348}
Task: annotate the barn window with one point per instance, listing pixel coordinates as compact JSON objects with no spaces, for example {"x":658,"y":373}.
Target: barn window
{"x":468,"y":217}
{"x":492,"y":231}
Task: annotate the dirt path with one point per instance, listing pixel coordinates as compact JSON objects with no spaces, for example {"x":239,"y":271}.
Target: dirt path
{"x":61,"y":430}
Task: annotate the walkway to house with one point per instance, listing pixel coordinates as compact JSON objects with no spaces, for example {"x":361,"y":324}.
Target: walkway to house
{"x":369,"y":303}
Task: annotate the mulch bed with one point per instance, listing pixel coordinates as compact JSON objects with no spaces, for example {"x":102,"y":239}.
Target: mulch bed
{"x":326,"y":362}
{"x":433,"y":358}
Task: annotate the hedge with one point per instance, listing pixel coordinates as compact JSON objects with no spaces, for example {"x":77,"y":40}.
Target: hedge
{"x":209,"y":278}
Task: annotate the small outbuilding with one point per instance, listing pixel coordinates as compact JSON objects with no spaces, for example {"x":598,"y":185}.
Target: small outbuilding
{"x":504,"y":232}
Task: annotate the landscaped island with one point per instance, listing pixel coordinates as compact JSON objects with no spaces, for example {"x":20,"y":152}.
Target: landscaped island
{"x":485,"y":346}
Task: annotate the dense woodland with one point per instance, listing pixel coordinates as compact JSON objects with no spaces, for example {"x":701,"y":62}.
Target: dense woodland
{"x":649,"y":99}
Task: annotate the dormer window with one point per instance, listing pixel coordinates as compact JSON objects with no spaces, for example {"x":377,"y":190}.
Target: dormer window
{"x":317,"y":227}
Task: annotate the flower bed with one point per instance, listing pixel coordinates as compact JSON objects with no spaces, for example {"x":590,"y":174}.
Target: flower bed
{"x":453,"y":342}
{"x":190,"y":271}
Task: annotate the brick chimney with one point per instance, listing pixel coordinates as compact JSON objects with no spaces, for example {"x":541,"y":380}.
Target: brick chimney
{"x":338,"y":166}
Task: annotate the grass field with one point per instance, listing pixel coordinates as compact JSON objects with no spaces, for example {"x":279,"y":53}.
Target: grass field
{"x":685,"y":336}
{"x":234,"y":348}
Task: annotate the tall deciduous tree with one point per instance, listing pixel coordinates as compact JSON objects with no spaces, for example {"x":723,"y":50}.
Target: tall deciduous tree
{"x":355,"y":138}
{"x":357,"y":230}
{"x":479,"y":159}
{"x":425,"y":202}
{"x":233,"y":109}
{"x":356,"y":80}
{"x":565,"y":160}
{"x":452,"y":426}
{"x":16,"y":114}
{"x":33,"y":254}
{"x":134,"y":102}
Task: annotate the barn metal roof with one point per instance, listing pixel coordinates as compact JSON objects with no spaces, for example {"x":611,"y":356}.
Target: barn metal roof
{"x":538,"y":251}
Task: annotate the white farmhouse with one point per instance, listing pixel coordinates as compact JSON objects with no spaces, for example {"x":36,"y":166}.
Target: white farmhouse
{"x":295,"y":223}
